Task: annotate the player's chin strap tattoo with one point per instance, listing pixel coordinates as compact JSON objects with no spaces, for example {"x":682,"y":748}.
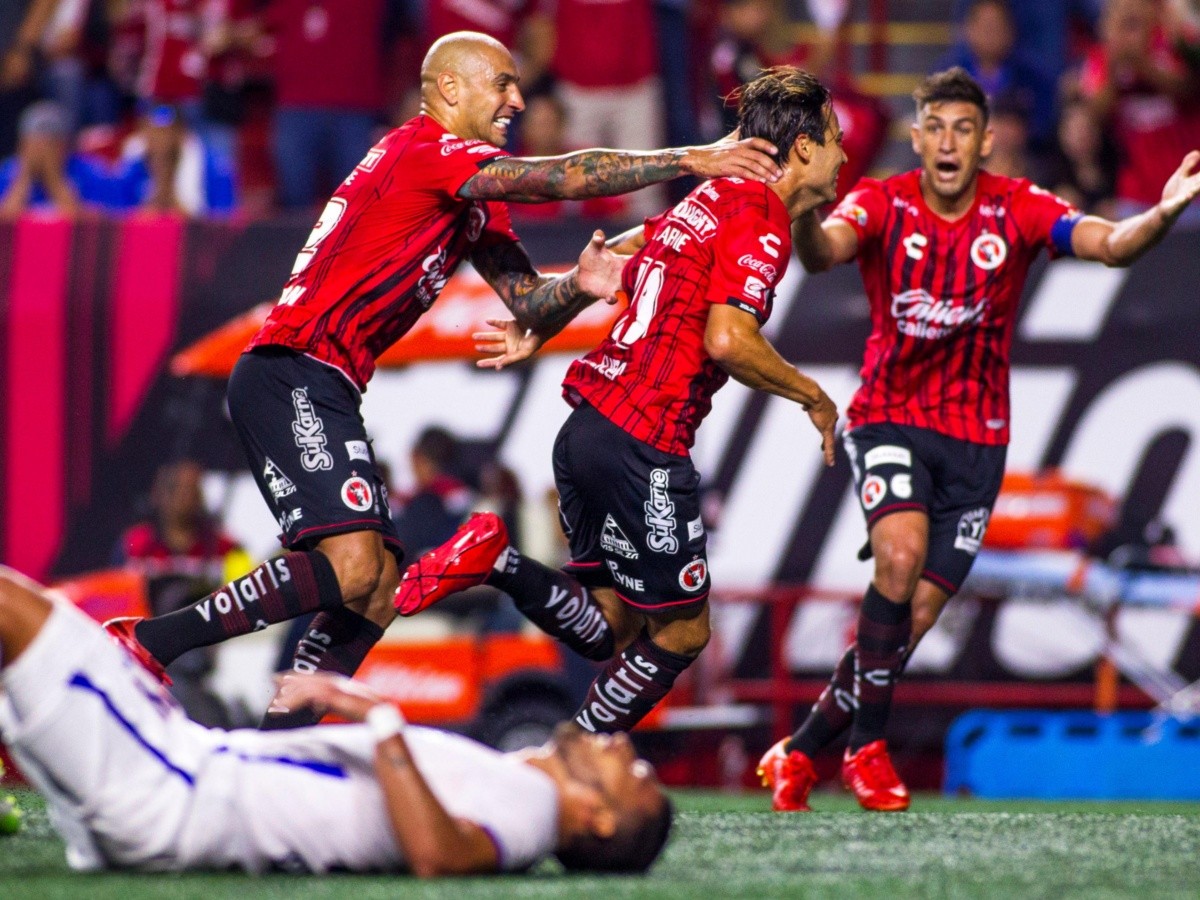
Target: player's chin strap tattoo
{"x":544,"y":303}
{"x":588,"y":173}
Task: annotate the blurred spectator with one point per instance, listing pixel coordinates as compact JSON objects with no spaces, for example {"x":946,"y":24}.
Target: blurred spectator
{"x":440,"y":500}
{"x":1083,"y":170}
{"x":606,"y":61}
{"x":750,"y":40}
{"x":184,"y":555}
{"x":508,"y":21}
{"x":543,"y":132}
{"x":165,"y":167}
{"x":22,"y":24}
{"x":1010,"y":143}
{"x":45,"y":174}
{"x":987,"y":48}
{"x":76,"y":74}
{"x":500,"y":492}
{"x":328,"y":68}
{"x":1135,"y":82}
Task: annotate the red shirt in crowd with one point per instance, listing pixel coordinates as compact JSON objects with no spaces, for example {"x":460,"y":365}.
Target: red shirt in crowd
{"x":603,"y":43}
{"x":499,"y":18}
{"x":143,"y":548}
{"x":386,"y":243}
{"x":328,"y":53}
{"x":944,"y":298}
{"x":1153,"y":130}
{"x":728,"y":241}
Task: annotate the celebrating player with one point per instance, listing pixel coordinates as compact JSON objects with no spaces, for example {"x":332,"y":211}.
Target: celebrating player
{"x":635,"y":593}
{"x":131,"y":782}
{"x":944,"y":251}
{"x":424,"y":198}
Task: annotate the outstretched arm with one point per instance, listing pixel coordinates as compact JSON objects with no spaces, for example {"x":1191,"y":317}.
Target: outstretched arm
{"x":733,"y":339}
{"x":1121,"y":243}
{"x":434,"y":842}
{"x":603,"y":173}
{"x":542,"y":304}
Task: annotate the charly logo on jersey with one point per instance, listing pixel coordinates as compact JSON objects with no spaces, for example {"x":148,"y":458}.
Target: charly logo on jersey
{"x":874,"y":489}
{"x":915,"y":244}
{"x":988,"y":251}
{"x":752,"y":262}
{"x":309,"y":432}
{"x":278,"y":484}
{"x":919,"y":314}
{"x":971,"y":527}
{"x":660,"y":514}
{"x":693,"y":576}
{"x":357,"y":494}
{"x":613,"y":540}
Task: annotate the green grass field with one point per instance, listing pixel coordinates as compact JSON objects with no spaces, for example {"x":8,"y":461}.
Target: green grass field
{"x":733,"y":846}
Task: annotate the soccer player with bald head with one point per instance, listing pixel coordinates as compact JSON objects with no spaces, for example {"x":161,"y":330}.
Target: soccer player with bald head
{"x":430,"y":194}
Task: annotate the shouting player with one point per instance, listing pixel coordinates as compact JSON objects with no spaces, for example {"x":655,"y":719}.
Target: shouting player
{"x":635,"y":593}
{"x":132,"y":783}
{"x":424,"y":198}
{"x":944,"y":251}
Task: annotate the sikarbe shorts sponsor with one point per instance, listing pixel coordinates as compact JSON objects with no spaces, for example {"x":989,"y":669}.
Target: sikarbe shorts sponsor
{"x":631,"y":514}
{"x":299,"y":423}
{"x":954,"y":482}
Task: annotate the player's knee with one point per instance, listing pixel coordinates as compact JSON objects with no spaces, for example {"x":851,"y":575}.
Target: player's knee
{"x":685,"y":636}
{"x":359,"y":567}
{"x":897,"y":567}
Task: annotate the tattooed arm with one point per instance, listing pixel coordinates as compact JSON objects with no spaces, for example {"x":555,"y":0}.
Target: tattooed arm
{"x":542,"y":304}
{"x":602,"y":173}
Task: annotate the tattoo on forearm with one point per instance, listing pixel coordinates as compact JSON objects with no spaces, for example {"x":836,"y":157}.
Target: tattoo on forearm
{"x":589,"y":173}
{"x":536,"y":301}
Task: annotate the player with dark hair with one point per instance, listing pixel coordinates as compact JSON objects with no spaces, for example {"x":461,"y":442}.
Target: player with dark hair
{"x":944,"y":251}
{"x":423,"y":199}
{"x":132,"y":783}
{"x":635,"y":593}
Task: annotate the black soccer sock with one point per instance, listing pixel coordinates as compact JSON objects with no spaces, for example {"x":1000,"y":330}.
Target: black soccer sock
{"x":884,"y":630}
{"x":832,"y":713}
{"x":556,"y":603}
{"x":337,"y":641}
{"x":279,"y":589}
{"x":630,"y":685}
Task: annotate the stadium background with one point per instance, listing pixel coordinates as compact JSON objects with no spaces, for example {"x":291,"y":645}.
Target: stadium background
{"x":1106,"y":385}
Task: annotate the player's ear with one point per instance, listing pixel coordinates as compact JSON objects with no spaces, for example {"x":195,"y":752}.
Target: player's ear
{"x":985,"y":148}
{"x":802,"y":147}
{"x":447,"y":85}
{"x":914,"y":131}
{"x":604,"y":821}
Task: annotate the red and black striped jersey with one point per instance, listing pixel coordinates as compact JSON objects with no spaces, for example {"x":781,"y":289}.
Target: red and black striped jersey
{"x":944,"y":297}
{"x":386,"y":243}
{"x":728,"y":241}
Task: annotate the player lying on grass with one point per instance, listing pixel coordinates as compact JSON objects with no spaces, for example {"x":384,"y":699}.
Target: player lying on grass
{"x":131,"y":782}
{"x":702,"y":283}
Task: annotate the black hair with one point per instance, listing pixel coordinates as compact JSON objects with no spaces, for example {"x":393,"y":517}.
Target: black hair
{"x":437,"y":445}
{"x":632,"y":848}
{"x":952,"y":85}
{"x":780,"y":105}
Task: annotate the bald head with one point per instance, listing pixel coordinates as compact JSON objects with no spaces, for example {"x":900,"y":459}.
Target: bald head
{"x":469,"y":85}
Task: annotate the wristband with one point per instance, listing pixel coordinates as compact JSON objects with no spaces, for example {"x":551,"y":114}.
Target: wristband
{"x":385,"y":722}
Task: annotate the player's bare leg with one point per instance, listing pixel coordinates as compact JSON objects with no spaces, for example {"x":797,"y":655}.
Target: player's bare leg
{"x":640,"y":675}
{"x":338,"y":639}
{"x":23,"y":612}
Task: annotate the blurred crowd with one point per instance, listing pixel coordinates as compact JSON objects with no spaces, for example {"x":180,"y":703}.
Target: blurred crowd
{"x":255,"y":107}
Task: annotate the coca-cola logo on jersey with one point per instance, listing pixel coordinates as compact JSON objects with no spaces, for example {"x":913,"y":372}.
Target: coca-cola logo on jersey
{"x":919,"y":314}
{"x":750,"y":261}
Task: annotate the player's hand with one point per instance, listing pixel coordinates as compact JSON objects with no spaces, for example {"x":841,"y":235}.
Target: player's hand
{"x":824,"y":416}
{"x":600,"y":270}
{"x":509,"y":345}
{"x":1183,"y":186}
{"x":752,"y":158}
{"x":322,"y":693}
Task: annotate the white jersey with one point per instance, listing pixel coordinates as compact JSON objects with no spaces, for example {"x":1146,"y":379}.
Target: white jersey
{"x":131,"y":782}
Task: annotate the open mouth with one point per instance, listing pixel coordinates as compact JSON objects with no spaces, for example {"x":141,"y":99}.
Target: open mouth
{"x":947,"y":168}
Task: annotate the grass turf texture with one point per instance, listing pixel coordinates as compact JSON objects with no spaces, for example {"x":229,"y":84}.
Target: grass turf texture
{"x":733,"y":846}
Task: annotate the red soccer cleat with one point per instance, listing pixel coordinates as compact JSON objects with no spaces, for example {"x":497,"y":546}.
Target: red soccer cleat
{"x":790,"y":776}
{"x":121,"y":631}
{"x":870,"y":776}
{"x":462,"y":562}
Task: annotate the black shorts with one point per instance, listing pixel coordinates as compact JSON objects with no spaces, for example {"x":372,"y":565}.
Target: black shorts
{"x":305,"y":441}
{"x":631,"y":514}
{"x":955,"y":482}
